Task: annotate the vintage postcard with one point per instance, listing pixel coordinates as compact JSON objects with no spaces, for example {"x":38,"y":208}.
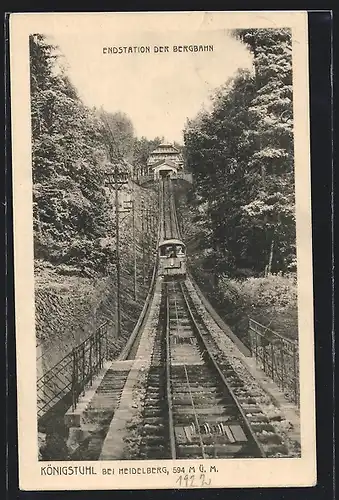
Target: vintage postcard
{"x":162,"y":238}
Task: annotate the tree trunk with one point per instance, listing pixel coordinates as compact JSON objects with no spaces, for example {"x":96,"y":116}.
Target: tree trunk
{"x":269,"y":267}
{"x":263,"y":172}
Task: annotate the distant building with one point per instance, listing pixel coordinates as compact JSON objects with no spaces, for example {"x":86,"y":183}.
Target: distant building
{"x":165,"y":160}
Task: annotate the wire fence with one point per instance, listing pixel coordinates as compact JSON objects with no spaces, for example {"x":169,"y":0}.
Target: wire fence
{"x":277,"y":356}
{"x":73,"y":373}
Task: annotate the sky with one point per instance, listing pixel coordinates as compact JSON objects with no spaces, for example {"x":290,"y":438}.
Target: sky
{"x":158,"y":91}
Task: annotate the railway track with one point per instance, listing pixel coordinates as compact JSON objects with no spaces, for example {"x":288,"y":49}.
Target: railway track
{"x":207,"y":420}
{"x":168,"y":215}
{"x":195,"y":405}
{"x":154,"y":440}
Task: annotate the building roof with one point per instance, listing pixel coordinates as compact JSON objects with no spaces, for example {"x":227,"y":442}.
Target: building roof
{"x":172,"y":241}
{"x":167,"y":163}
{"x":165,"y":148}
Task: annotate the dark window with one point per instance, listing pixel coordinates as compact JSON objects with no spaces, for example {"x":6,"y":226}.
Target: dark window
{"x":180,"y":250}
{"x":172,"y":250}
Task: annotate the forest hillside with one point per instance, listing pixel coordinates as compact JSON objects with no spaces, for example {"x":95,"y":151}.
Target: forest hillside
{"x":73,"y":147}
{"x":241,"y":217}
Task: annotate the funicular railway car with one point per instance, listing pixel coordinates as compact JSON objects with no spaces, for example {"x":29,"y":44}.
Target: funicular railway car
{"x":172,"y":259}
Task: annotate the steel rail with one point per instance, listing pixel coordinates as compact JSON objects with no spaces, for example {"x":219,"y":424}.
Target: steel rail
{"x":167,"y":215}
{"x":164,"y":209}
{"x":218,"y":370}
{"x":168,"y":385}
{"x":176,"y":310}
{"x":170,"y":214}
{"x":197,"y":423}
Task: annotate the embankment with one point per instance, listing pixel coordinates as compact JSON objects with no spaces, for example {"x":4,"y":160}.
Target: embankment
{"x":70,"y":306}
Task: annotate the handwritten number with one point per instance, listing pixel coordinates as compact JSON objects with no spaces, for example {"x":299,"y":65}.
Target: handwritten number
{"x":188,"y":481}
{"x":203,"y":482}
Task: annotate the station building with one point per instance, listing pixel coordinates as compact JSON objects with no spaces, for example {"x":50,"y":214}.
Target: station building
{"x":165,"y":160}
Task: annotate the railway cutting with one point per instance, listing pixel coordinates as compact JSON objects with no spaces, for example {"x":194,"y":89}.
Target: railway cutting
{"x":176,"y":392}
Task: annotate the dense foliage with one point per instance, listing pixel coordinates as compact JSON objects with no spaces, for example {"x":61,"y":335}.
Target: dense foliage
{"x":118,"y":132}
{"x":71,"y":146}
{"x":241,"y":157}
{"x":71,"y":206}
{"x":142,"y":149}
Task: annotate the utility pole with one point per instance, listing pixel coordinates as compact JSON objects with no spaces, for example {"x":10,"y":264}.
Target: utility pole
{"x":134,"y":245}
{"x":143,"y":240}
{"x":149,"y":239}
{"x":117,"y":179}
{"x":146,"y":240}
{"x":134,"y":252}
{"x":128,"y":207}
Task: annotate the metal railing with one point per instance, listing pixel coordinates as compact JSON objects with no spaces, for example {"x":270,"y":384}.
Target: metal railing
{"x":73,"y":372}
{"x":277,"y":356}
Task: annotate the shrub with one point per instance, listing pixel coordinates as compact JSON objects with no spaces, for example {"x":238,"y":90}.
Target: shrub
{"x":272,"y":301}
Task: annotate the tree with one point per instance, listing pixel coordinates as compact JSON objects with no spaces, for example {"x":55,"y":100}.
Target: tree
{"x":241,"y":157}
{"x":142,"y":149}
{"x":71,"y":207}
{"x":118,"y":131}
{"x":273,"y":156}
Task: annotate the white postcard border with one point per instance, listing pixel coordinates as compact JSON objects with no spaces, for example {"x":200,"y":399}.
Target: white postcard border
{"x":231,"y":473}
